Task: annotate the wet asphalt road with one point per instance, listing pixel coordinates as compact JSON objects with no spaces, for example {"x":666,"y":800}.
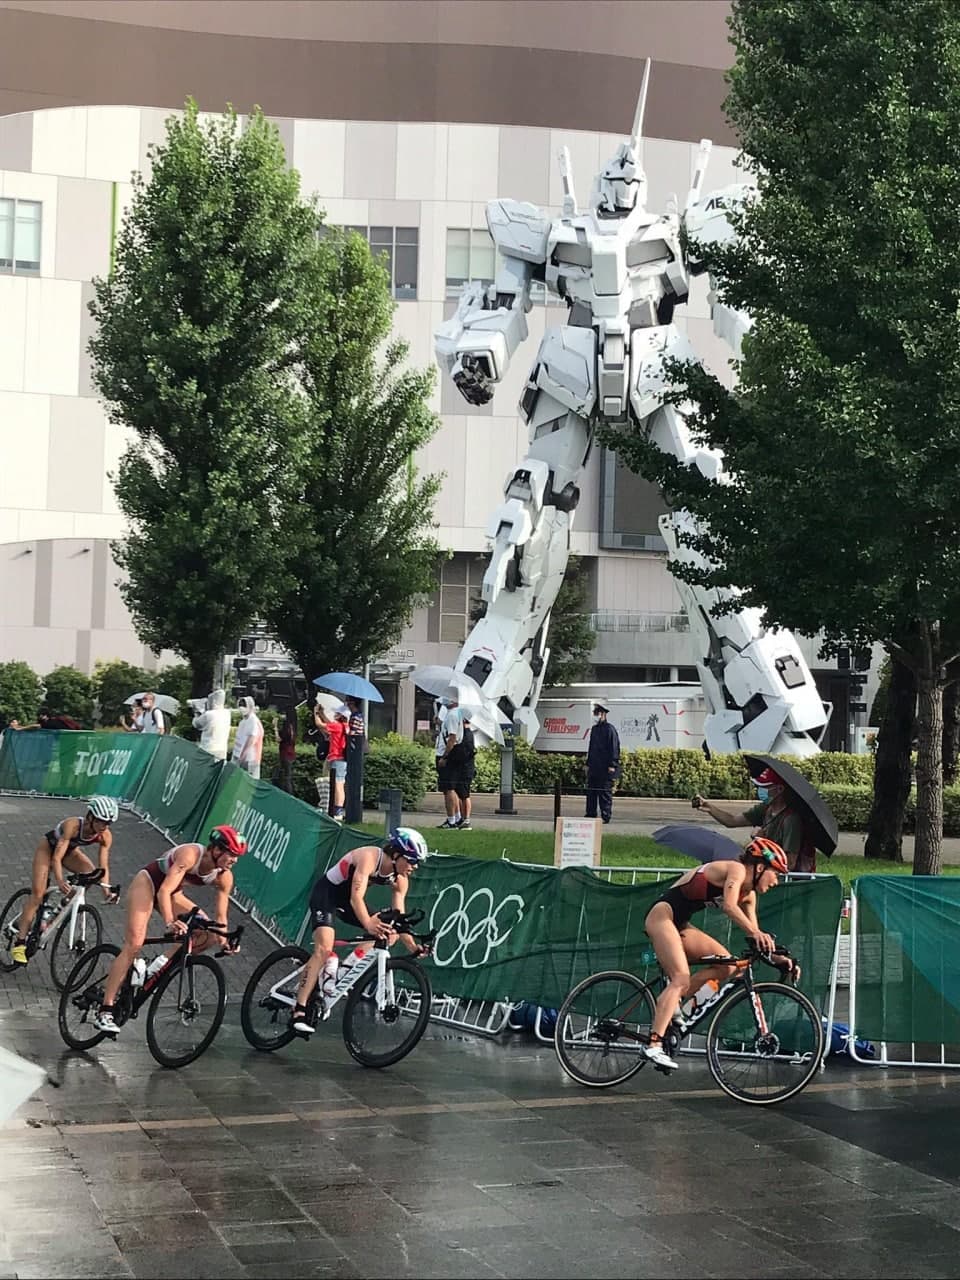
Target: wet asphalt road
{"x":469,"y":1158}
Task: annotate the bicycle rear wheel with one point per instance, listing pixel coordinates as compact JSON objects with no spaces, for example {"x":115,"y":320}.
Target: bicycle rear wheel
{"x":82,"y":996}
{"x":269,"y":998}
{"x":380,"y":1037}
{"x":87,"y":933}
{"x":186,"y":1011}
{"x":765,"y":1045}
{"x":601,"y":1028}
{"x":9,"y":927}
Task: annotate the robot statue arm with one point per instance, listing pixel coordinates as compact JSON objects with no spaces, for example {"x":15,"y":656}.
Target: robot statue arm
{"x":477,"y":342}
{"x":707,"y":223}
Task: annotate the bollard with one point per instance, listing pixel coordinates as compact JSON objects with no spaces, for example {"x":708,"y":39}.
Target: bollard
{"x":353,"y":799}
{"x":557,"y":794}
{"x":507,"y":757}
{"x":390,"y":800}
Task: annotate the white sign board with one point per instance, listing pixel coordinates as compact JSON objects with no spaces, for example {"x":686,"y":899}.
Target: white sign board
{"x":577,"y":842}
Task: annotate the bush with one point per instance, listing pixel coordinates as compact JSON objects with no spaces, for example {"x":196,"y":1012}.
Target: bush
{"x":306,"y":769}
{"x":20,"y":692}
{"x":395,"y":761}
{"x":70,"y":693}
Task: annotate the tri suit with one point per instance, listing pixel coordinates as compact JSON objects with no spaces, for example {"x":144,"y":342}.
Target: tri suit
{"x":55,"y":835}
{"x":330,"y":899}
{"x":685,"y":900}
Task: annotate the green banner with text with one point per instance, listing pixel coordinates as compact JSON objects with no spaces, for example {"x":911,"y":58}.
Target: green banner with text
{"x":62,"y":763}
{"x":178,"y":787}
{"x":290,"y":843}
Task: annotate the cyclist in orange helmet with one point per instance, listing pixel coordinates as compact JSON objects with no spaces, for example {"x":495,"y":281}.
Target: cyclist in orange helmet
{"x":731,"y":886}
{"x":159,"y":885}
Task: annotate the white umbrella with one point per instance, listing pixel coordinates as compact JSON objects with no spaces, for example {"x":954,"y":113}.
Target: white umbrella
{"x":329,"y":701}
{"x":18,"y":1079}
{"x":437,"y":680}
{"x":163,"y":701}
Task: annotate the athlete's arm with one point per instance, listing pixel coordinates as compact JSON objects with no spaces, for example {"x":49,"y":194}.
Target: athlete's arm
{"x":400,"y":887}
{"x":184,"y":861}
{"x":104,"y":862}
{"x":358,"y":891}
{"x":732,"y":890}
{"x":221,"y":907}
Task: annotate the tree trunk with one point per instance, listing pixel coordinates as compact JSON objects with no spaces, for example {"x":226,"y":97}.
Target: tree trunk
{"x":891,"y":767}
{"x":928,"y":843}
{"x":951,"y":732}
{"x":201,"y":677}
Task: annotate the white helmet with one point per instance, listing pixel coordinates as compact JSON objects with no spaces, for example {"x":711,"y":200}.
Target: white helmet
{"x":104,"y":807}
{"x":409,"y":843}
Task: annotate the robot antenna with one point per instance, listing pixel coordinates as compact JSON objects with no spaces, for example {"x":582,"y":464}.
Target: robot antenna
{"x":637,"y":132}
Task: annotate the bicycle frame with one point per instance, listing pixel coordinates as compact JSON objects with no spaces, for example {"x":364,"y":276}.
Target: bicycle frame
{"x":138,"y":996}
{"x":379,"y":955}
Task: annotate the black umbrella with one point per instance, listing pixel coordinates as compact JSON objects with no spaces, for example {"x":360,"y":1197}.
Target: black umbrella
{"x":821,"y":823}
{"x":698,"y":841}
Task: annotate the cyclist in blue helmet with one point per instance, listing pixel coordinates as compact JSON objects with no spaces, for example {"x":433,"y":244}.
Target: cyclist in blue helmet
{"x":340,"y":894}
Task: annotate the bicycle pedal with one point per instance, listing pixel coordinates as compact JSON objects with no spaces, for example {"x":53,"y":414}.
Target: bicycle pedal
{"x":664,"y":1071}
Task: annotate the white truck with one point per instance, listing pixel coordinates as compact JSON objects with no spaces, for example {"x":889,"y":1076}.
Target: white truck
{"x":644,"y":715}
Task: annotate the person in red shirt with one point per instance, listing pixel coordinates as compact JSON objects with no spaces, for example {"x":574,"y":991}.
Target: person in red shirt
{"x":334,"y":729}
{"x":286,"y":734}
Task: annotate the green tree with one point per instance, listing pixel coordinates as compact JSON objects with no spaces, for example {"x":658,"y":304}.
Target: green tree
{"x":842,"y":440}
{"x":200,"y":330}
{"x":20,"y":692}
{"x":892,"y":771}
{"x":356,"y":553}
{"x":570,"y":637}
{"x":175,"y":680}
{"x":113,"y":682}
{"x":71,"y":692}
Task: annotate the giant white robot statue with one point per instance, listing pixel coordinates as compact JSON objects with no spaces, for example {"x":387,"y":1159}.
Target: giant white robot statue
{"x":621,"y":272}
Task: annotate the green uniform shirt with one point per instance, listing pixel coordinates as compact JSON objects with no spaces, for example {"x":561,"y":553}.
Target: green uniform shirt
{"x":786,"y":829}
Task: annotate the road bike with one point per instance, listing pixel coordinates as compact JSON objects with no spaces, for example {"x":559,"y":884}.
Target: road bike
{"x":187,"y":996}
{"x":387,"y":997}
{"x":74,"y":925}
{"x":764,"y":1043}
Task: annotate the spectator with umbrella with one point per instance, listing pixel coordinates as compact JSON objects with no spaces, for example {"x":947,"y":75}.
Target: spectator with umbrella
{"x":788,"y":811}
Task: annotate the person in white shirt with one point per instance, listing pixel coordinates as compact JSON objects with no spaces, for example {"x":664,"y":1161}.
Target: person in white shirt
{"x":214,"y":725}
{"x":152,"y":715}
{"x":449,"y":736}
{"x":248,"y":744}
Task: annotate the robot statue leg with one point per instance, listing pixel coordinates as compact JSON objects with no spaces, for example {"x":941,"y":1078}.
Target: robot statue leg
{"x":506,"y":652}
{"x":759,"y":691}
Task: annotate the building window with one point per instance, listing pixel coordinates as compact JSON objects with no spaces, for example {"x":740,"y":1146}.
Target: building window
{"x":20,"y":237}
{"x":456,"y":598}
{"x":471,"y":255}
{"x":400,"y":246}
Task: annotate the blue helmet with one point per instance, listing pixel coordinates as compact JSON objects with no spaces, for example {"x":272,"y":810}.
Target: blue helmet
{"x":410,"y":843}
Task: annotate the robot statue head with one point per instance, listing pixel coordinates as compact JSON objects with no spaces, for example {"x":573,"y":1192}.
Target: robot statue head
{"x":622,"y":185}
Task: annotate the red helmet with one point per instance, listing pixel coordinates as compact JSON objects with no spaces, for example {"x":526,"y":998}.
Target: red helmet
{"x":767,"y":853}
{"x":228,"y":840}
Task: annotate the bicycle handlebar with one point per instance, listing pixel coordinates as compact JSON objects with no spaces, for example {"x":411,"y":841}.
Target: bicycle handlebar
{"x":402,"y":923}
{"x":86,"y":877}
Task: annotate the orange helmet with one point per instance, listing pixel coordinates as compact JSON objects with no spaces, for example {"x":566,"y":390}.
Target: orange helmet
{"x":767,"y":852}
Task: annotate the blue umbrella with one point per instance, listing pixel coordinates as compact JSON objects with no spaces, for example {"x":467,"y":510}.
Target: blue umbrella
{"x":698,"y":842}
{"x":349,"y":685}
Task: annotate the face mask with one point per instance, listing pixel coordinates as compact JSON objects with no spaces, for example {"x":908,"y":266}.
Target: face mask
{"x":763,"y":795}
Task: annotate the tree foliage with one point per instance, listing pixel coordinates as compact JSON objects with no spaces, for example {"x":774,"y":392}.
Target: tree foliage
{"x":200,"y":330}
{"x":570,"y":636}
{"x":70,"y":693}
{"x":20,"y":692}
{"x":113,"y":682}
{"x":842,"y":440}
{"x":356,"y":551}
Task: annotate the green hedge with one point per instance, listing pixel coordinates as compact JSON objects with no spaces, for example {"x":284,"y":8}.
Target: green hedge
{"x":851,"y":808}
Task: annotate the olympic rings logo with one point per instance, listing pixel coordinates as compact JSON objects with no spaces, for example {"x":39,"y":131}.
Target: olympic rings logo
{"x":469,"y":930}
{"x":174,"y":780}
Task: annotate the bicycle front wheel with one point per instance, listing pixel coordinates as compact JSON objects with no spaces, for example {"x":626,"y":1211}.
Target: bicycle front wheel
{"x":602,"y":1027}
{"x":379,"y":1037}
{"x":10,"y":927}
{"x":186,"y":1011}
{"x":766,"y":1044}
{"x":87,"y":933}
{"x":269,"y":998}
{"x":82,"y":996}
